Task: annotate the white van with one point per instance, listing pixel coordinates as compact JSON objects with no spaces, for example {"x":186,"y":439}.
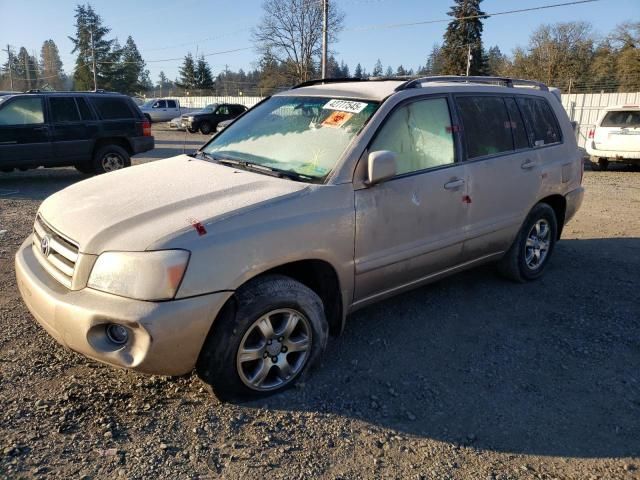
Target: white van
{"x":616,"y":136}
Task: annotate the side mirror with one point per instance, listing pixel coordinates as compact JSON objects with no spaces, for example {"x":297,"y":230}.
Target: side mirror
{"x":382,"y":166}
{"x":574,"y":125}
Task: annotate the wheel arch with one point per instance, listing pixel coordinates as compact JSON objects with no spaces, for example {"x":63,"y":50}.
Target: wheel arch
{"x":321,"y":277}
{"x":119,"y":141}
{"x":559,"y":205}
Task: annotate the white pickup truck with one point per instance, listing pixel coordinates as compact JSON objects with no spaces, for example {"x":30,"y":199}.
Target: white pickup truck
{"x":162,"y":109}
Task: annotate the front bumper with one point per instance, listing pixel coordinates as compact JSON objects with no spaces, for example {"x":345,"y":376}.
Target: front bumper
{"x":574,"y":201}
{"x":142,"y":144}
{"x":165,"y":337}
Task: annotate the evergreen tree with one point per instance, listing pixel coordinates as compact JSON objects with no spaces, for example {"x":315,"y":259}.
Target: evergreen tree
{"x":495,"y":61}
{"x":358,"y":72}
{"x":88,"y":22}
{"x":377,"y":69}
{"x":133,"y":76}
{"x":461,"y":33}
{"x":435,"y":61}
{"x":203,"y":77}
{"x":51,"y":65}
{"x":188,"y":73}
{"x":344,"y":70}
{"x":11,"y":65}
{"x":401,"y":72}
{"x":27,"y":72}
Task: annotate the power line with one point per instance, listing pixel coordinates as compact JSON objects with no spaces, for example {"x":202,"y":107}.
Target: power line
{"x":470,"y":17}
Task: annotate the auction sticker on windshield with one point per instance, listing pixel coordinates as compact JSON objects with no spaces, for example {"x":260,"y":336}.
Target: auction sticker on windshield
{"x":337,"y":119}
{"x":345,"y":105}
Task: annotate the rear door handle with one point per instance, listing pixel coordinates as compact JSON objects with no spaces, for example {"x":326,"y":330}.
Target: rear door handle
{"x":528,"y":164}
{"x":453,"y":184}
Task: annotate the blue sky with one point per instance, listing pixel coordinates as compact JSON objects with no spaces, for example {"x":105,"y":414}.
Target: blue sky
{"x":165,"y":29}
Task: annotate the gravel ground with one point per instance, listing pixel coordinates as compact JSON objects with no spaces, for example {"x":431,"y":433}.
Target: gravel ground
{"x":470,"y":378}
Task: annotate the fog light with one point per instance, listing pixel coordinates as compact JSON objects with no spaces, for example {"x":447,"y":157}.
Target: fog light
{"x":117,"y":334}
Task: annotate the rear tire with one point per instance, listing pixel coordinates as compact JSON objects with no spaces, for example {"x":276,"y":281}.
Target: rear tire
{"x":529,"y":255}
{"x":603,"y":163}
{"x":265,"y":339}
{"x":110,"y":158}
{"x":205,"y":128}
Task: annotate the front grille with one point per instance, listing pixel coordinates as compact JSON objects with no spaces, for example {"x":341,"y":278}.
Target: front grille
{"x":57,"y":254}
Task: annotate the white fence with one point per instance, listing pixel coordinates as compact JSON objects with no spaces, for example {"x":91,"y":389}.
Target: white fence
{"x":200,"y":102}
{"x":584,"y":108}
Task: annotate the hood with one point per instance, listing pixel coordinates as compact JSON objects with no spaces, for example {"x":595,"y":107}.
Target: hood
{"x":131,"y":209}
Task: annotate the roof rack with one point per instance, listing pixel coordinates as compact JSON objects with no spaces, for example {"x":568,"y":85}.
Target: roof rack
{"x":322,"y":81}
{"x":504,"y":81}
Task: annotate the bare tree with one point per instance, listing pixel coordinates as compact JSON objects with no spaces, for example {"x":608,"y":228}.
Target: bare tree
{"x":290,"y":32}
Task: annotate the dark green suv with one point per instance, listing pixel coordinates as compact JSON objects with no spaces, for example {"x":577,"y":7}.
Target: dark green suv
{"x":93,"y":131}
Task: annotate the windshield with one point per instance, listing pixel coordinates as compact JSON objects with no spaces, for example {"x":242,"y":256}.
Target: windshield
{"x":622,"y":118}
{"x":210,"y":108}
{"x":305,"y":135}
{"x":148,"y":103}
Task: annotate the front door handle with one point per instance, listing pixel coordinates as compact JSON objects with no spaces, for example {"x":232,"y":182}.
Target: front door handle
{"x":528,"y":164}
{"x":453,"y":184}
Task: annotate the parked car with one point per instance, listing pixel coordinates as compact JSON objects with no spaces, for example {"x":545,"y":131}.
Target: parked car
{"x":175,"y":124}
{"x":161,"y":109}
{"x":317,"y":202}
{"x":222,"y":125}
{"x":95,"y":132}
{"x":616,"y":136}
{"x":207,"y":120}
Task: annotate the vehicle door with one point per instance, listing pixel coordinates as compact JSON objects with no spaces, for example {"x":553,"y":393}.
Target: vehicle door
{"x":71,"y":132}
{"x":411,"y":226}
{"x":222,"y":113}
{"x":24,"y":134}
{"x":619,"y":131}
{"x":159,"y":111}
{"x":173,"y":110}
{"x":503,"y":172}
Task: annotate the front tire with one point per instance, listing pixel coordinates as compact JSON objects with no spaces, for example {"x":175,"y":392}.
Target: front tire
{"x":529,"y":255}
{"x":266,"y":338}
{"x":603,"y":163}
{"x":205,"y":128}
{"x":110,"y":158}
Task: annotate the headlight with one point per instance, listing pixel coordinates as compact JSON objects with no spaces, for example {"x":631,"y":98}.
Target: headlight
{"x":140,"y":275}
{"x":191,"y":119}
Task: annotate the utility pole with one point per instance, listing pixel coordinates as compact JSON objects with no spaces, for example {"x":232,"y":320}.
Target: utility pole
{"x":10,"y":72}
{"x":468,"y":59}
{"x":93,"y":58}
{"x":325,"y":20}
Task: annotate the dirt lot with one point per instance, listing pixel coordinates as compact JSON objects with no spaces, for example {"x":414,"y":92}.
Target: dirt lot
{"x":471,"y":378}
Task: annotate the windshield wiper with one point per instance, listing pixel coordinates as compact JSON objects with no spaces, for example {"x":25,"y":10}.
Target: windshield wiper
{"x":259,"y":168}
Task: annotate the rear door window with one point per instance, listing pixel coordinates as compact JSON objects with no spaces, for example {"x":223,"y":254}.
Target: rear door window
{"x":113,"y":108}
{"x":64,"y":109}
{"x":486,"y":125}
{"x":171,"y":104}
{"x":85,"y":111}
{"x":541,"y":121}
{"x":520,"y":138}
{"x":22,"y":111}
{"x":223,"y":110}
{"x":622,"y":119}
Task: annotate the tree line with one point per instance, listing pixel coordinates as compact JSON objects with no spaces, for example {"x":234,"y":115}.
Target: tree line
{"x":288,"y":41}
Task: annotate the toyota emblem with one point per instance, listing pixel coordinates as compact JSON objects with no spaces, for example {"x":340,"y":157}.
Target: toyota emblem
{"x":45,"y":246}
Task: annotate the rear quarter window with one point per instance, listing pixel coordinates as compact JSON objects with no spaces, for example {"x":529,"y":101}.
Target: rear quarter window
{"x":622,"y":119}
{"x":113,"y":108}
{"x":542,"y":124}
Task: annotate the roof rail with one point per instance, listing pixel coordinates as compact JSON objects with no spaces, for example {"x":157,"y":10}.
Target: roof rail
{"x":504,"y":81}
{"x":322,"y":81}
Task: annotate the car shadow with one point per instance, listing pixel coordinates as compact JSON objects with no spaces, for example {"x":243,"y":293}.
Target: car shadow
{"x":547,"y":368}
{"x":37,"y":184}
